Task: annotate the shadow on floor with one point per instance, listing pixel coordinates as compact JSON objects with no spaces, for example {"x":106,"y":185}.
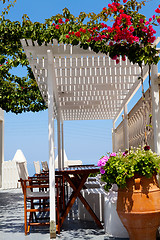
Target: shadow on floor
{"x":12,"y":223}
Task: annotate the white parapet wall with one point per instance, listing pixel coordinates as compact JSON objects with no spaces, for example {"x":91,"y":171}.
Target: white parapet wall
{"x":10,"y":175}
{"x":9,"y":171}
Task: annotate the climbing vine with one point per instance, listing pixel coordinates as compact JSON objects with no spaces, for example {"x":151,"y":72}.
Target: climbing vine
{"x":118,"y":30}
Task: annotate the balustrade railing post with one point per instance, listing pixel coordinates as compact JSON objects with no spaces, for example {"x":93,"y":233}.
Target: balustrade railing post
{"x":113,"y":138}
{"x":155,"y":91}
{"x":125,"y":128}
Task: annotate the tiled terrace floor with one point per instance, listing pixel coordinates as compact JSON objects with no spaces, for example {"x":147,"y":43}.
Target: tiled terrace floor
{"x":12,"y":227}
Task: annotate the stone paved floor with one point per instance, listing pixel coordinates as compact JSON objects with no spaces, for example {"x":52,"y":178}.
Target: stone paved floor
{"x":12,"y":227}
{"x":11,"y":222}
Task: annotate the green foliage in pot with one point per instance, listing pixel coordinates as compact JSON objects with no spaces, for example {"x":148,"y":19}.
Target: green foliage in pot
{"x":118,"y":167}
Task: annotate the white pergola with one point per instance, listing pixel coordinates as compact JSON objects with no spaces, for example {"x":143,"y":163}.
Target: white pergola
{"x":79,"y":84}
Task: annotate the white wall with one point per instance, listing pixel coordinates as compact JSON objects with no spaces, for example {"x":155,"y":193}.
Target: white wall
{"x":9,"y":171}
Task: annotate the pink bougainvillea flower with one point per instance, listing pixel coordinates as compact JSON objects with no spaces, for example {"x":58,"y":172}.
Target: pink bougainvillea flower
{"x":53,"y":24}
{"x":67,"y":36}
{"x":60,"y":20}
{"x":103,"y":25}
{"x":121,"y":11}
{"x":78,"y":34}
{"x":113,"y":154}
{"x":104,"y":36}
{"x":117,"y":61}
{"x":150,"y":19}
{"x":104,"y":8}
{"x":123,"y":58}
{"x":110,"y":43}
{"x":141,"y":20}
{"x":114,"y":9}
{"x":124,"y":1}
{"x":96,"y":39}
{"x":153,"y":16}
{"x":71,"y":33}
{"x":158,"y":20}
{"x":136,"y":39}
{"x":84,"y":30}
{"x":146,"y":23}
{"x":114,"y":58}
{"x":57,"y":26}
{"x":102,"y":171}
{"x":157,"y":10}
{"x":67,"y":20}
{"x":131,"y":29}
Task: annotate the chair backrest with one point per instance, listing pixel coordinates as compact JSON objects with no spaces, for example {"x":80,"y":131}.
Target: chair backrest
{"x":37,"y":167}
{"x":22,"y":170}
{"x":23,"y":174}
{"x":45,"y":166}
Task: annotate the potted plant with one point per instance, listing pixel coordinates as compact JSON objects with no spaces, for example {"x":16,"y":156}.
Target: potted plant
{"x":138,"y":203}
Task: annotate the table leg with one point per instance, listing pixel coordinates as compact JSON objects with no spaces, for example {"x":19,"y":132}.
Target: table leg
{"x":73,"y":196}
{"x":76,"y":193}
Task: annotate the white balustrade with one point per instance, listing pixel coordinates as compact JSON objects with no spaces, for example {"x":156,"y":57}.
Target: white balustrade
{"x":10,"y":175}
{"x":136,"y":126}
{"x":119,"y":138}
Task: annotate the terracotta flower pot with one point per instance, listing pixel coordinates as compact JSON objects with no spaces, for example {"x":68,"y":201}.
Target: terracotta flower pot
{"x":138,"y":207}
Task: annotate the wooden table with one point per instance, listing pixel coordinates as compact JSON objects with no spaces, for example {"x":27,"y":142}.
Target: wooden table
{"x":76,"y":177}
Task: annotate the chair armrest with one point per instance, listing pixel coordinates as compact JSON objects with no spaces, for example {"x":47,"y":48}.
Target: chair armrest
{"x":38,"y":186}
{"x":34,"y":183}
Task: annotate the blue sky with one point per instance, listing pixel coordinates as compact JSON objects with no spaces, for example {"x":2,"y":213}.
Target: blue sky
{"x":84,"y":140}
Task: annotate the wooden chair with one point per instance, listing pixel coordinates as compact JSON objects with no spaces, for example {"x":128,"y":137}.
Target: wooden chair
{"x":45,"y":166}
{"x":37,"y":167}
{"x":36,"y":203}
{"x":38,"y":172}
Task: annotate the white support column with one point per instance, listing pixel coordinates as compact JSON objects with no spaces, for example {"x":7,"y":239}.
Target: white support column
{"x":1,"y":143}
{"x":113,"y":138}
{"x":125,"y":128}
{"x":59,"y":140}
{"x":62,"y":145}
{"x":51,"y":146}
{"x":155,"y":89}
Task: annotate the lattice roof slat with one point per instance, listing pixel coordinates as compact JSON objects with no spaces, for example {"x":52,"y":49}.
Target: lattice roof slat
{"x":88,"y":85}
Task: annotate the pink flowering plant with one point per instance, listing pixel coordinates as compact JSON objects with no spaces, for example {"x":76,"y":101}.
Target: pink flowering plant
{"x":116,"y":168}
